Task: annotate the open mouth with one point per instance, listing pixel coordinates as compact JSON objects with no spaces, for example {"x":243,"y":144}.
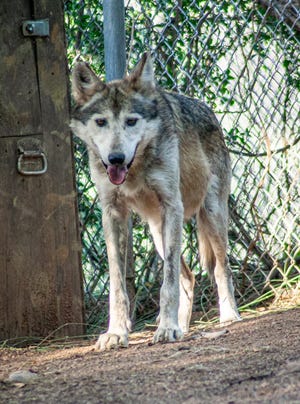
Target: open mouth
{"x":117,"y":173}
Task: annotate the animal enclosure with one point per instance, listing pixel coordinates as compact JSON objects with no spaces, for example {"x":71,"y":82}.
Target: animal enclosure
{"x":242,"y":58}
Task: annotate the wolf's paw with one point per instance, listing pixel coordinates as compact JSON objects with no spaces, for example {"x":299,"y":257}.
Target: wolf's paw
{"x":230,"y":318}
{"x":228,"y":311}
{"x":111,"y":341}
{"x":167,"y":334}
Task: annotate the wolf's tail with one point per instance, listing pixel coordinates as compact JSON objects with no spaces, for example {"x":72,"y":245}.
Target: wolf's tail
{"x":207,"y":256}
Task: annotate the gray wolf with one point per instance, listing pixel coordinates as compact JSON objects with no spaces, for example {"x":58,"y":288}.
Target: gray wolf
{"x":163,"y":156}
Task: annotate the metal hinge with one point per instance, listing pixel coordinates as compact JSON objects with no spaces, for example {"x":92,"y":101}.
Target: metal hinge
{"x":36,"y":27}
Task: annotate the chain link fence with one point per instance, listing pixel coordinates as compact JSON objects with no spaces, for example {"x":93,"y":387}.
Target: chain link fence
{"x":242,"y":58}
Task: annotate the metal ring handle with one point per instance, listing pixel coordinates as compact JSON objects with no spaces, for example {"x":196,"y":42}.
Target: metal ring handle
{"x":32,"y":154}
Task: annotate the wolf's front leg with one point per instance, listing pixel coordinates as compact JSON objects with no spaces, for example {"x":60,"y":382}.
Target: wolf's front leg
{"x":115,"y":224}
{"x":172,"y":221}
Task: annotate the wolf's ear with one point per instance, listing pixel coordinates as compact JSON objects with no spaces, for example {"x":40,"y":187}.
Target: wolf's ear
{"x":143,"y":73}
{"x":85,"y":83}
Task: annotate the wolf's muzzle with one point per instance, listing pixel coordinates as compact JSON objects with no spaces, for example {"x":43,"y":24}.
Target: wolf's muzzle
{"x":116,"y":170}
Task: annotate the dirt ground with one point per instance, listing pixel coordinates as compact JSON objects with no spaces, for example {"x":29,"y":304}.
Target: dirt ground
{"x":253,"y":361}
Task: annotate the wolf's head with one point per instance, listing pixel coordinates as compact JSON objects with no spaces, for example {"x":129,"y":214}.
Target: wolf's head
{"x":115,"y":119}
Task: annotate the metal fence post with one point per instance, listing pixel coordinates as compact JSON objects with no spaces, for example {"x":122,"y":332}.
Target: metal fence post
{"x":114,"y":39}
{"x":115,"y":64}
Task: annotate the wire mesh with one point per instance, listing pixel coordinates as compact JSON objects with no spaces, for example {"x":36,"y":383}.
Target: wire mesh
{"x":242,"y":58}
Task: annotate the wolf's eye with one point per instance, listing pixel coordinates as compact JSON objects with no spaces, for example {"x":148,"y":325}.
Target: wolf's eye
{"x":131,"y":121}
{"x":101,"y":122}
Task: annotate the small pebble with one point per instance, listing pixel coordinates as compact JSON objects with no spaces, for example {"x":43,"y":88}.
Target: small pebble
{"x":22,"y":376}
{"x":214,"y":334}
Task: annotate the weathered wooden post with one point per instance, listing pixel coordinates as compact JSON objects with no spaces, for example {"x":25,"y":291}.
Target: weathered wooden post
{"x":115,"y":64}
{"x":40,"y":268}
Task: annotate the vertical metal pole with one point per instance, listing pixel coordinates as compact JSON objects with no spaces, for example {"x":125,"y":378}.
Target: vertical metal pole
{"x":115,"y":65}
{"x":114,"y":39}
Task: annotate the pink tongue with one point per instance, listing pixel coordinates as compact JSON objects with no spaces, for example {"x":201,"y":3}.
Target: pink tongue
{"x":117,"y":174}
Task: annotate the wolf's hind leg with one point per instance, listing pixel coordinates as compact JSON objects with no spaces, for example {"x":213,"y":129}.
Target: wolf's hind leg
{"x":212,"y":226}
{"x":186,"y":295}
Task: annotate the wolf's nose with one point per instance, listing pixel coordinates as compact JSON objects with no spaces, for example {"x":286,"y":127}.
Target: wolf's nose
{"x":116,"y":158}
